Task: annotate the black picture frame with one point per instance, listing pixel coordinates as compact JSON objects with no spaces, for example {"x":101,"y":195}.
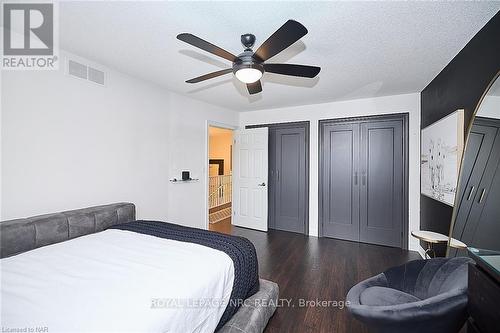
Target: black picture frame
{"x":220,"y":163}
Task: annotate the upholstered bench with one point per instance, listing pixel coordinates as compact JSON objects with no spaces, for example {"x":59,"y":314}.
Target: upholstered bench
{"x":253,"y":315}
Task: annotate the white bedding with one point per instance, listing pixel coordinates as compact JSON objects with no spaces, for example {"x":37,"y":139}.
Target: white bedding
{"x":108,"y":282}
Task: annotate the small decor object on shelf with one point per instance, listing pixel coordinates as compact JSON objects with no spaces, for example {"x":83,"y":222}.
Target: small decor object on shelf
{"x":185,"y":178}
{"x":440,"y":156}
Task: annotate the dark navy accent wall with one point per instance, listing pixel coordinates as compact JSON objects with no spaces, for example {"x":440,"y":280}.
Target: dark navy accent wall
{"x":459,"y":85}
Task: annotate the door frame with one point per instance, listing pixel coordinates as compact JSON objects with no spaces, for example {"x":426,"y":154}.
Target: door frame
{"x":390,"y":116}
{"x":211,"y":123}
{"x":294,"y":124}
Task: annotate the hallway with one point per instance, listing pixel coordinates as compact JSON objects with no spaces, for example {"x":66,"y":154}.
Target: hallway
{"x":220,"y":183}
{"x":223,"y":226}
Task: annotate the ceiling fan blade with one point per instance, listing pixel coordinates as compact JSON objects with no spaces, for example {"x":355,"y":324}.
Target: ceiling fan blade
{"x":286,"y":35}
{"x":254,"y":88}
{"x":209,"y":76}
{"x":206,"y":46}
{"x":291,"y":69}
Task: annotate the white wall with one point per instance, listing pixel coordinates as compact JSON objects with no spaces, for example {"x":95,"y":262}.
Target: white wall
{"x":490,"y":107}
{"x":188,"y":132}
{"x":68,"y":143}
{"x":372,"y":106}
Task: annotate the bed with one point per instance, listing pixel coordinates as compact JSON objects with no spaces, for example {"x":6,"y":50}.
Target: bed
{"x":98,"y":270}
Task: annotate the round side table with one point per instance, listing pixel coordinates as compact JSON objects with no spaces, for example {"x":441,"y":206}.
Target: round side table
{"x":455,"y":243}
{"x":430,"y":237}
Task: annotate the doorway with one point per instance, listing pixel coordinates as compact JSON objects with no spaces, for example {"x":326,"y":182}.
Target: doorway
{"x":288,"y":175}
{"x":220,"y":166}
{"x":363,"y":179}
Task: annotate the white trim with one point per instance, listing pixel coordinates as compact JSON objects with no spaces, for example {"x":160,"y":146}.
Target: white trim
{"x":211,"y":123}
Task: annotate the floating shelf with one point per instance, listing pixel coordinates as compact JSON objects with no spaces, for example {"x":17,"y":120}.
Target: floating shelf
{"x":176,"y":181}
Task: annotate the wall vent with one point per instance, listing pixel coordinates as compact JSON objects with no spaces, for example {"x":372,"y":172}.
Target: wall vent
{"x":77,"y":69}
{"x":85,"y":72}
{"x":96,"y":76}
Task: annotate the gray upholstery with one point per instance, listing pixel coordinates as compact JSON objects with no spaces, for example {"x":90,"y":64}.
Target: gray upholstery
{"x":22,"y":235}
{"x":377,"y":296}
{"x":255,"y":312}
{"x":419,"y":296}
{"x":26,"y":234}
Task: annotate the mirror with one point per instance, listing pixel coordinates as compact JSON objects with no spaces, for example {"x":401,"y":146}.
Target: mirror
{"x":476,"y":214}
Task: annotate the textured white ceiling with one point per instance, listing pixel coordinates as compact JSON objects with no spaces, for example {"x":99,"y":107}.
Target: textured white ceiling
{"x":365,"y":49}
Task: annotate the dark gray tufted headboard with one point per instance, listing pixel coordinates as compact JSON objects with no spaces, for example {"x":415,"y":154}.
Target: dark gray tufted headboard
{"x":22,"y":235}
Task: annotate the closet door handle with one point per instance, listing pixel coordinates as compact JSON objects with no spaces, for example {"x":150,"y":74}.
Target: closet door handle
{"x":470,"y":193}
{"x":355,"y":178}
{"x":363,"y":178}
{"x":482,"y":195}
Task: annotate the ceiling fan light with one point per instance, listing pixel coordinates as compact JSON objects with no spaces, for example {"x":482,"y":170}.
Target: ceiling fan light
{"x":248,"y":75}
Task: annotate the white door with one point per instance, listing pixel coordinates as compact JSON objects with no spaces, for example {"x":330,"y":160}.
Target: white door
{"x":250,"y":178}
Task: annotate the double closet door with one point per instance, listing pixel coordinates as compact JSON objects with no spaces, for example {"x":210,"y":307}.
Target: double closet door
{"x":362,"y":179}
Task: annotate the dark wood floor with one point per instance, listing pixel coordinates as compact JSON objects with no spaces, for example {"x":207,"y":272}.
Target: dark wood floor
{"x":313,"y":268}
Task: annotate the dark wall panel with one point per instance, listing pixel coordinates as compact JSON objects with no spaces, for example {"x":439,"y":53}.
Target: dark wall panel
{"x":462,"y":82}
{"x":459,"y":85}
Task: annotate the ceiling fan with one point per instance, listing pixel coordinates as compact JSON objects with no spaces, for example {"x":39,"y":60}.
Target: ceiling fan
{"x":249,"y":66}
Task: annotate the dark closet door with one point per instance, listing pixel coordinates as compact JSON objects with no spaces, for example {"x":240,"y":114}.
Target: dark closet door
{"x":339,"y":181}
{"x":479,"y":147}
{"x":481,"y":227}
{"x":381,"y":191}
{"x":362,"y":179}
{"x":289,"y":177}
